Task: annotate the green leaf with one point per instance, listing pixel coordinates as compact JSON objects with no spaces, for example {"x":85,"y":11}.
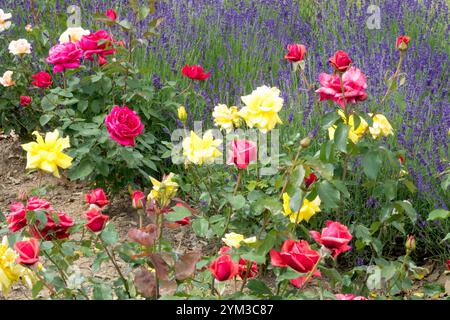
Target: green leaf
{"x":251,"y":256}
{"x":49,"y":102}
{"x":438,"y":214}
{"x":341,"y":136}
{"x":44,"y":119}
{"x":258,"y":287}
{"x":268,"y":243}
{"x":329,"y":119}
{"x":371,"y":163}
{"x":102,"y":292}
{"x":447,"y":237}
{"x":178,"y":213}
{"x":109,"y":234}
{"x":409,"y":210}
{"x":82,"y":170}
{"x":200,"y":227}
{"x":37,"y":287}
{"x":297,"y":177}
{"x":329,"y":195}
{"x":289,"y":274}
{"x":237,"y":202}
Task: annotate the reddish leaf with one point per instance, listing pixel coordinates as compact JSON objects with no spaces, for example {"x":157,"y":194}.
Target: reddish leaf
{"x":145,"y":236}
{"x":185,"y":266}
{"x":145,"y":282}
{"x":161,"y":267}
{"x":167,"y":287}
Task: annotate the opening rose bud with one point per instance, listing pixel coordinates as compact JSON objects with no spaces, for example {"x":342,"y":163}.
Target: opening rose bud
{"x":402,"y":43}
{"x":182,"y":115}
{"x":96,"y":220}
{"x":296,"y":52}
{"x":97,"y":197}
{"x":28,"y":251}
{"x":310,"y":179}
{"x":242,"y":153}
{"x":340,"y":61}
{"x":111,"y":14}
{"x":410,"y":244}
{"x":224,"y":268}
{"x":25,"y":100}
{"x":137,"y":199}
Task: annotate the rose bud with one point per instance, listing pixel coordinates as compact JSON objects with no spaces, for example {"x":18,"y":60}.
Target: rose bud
{"x":402,"y":43}
{"x":296,"y":52}
{"x":137,"y":199}
{"x":242,"y":153}
{"x":182,"y":115}
{"x":305,"y":142}
{"x":97,"y":197}
{"x":111,"y":14}
{"x":25,"y":100}
{"x":401,"y":159}
{"x":42,"y":79}
{"x":340,"y":61}
{"x":224,"y":268}
{"x":28,"y":251}
{"x":96,"y":220}
{"x":310,"y":179}
{"x":410,"y":244}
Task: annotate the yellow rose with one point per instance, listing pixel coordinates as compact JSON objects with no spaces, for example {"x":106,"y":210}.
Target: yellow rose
{"x":47,"y":154}
{"x":6,"y":80}
{"x":4,"y":23}
{"x":11,"y":272}
{"x":353,"y":135}
{"x":380,"y":126}
{"x":201,"y":150}
{"x":19,"y":47}
{"x":163,"y":191}
{"x":226,"y":118}
{"x":182,"y":115}
{"x":307,"y":210}
{"x":261,"y":108}
{"x":73,"y":34}
{"x":234,"y":239}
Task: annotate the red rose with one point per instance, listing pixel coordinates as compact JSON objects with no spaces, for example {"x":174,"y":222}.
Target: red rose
{"x":98,"y":43}
{"x":17,"y":218}
{"x":65,"y":222}
{"x":295,"y":254}
{"x":96,"y":220}
{"x":402,"y":42}
{"x":334,"y":237}
{"x":401,"y":159}
{"x":310,"y":179}
{"x":25,"y":100}
{"x":243,"y":264}
{"x":195,"y":72}
{"x":36,"y":204}
{"x":137,"y":199}
{"x":123,"y":125}
{"x":354,"y":82}
{"x":340,"y":61}
{"x":51,"y":230}
{"x":42,"y":79}
{"x":224,"y":268}
{"x":28,"y":251}
{"x":349,"y":296}
{"x":296,"y":52}
{"x":242,"y":153}
{"x":110,"y":13}
{"x":448,"y":264}
{"x":97,"y":197}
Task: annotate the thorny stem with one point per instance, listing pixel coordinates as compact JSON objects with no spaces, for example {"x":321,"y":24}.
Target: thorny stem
{"x":289,"y":172}
{"x":247,"y":272}
{"x":311,"y":273}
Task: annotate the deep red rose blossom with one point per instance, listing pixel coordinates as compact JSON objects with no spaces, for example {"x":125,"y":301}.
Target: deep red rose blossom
{"x":96,"y":221}
{"x":224,"y":268}
{"x":296,"y":52}
{"x":123,"y":125}
{"x":340,"y":61}
{"x":310,"y":179}
{"x":334,"y":237}
{"x":42,"y":79}
{"x":97,"y":197}
{"x":402,"y":42}
{"x":25,"y":100}
{"x":195,"y":72}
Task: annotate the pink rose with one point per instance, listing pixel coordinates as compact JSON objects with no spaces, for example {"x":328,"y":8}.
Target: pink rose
{"x":28,"y":251}
{"x":99,"y":43}
{"x":296,"y":52}
{"x":123,"y":125}
{"x":354,"y":83}
{"x":137,"y":199}
{"x":334,"y":237}
{"x":97,"y":197}
{"x":242,"y":153}
{"x":64,"y":56}
{"x":349,"y":296}
{"x":36,"y":204}
{"x":111,"y":14}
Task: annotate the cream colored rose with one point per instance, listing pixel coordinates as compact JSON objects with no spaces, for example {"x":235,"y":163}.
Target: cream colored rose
{"x":73,"y":34}
{"x":4,"y":23}
{"x":6,"y":80}
{"x":19,"y":47}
